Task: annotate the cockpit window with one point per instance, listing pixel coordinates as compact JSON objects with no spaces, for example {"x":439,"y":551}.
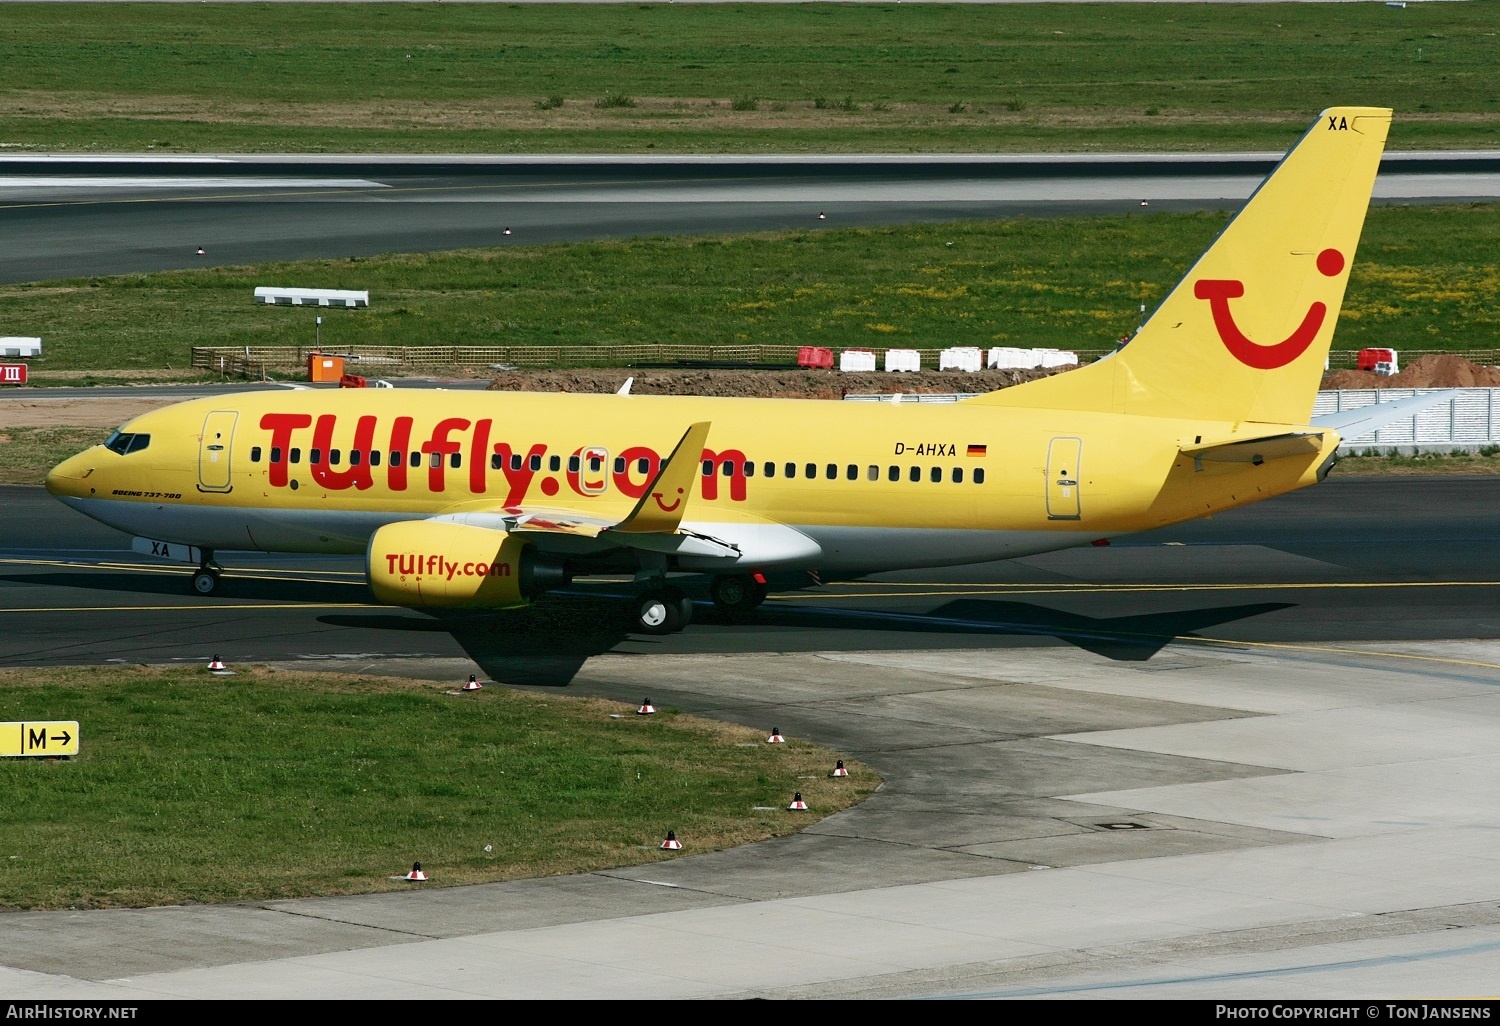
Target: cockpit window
{"x":126,"y":443}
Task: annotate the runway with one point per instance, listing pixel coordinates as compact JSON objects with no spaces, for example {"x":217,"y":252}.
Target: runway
{"x":1237,"y":758}
{"x":82,"y":216}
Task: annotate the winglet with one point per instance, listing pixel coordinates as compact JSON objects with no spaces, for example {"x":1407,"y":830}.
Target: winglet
{"x":660,"y":509}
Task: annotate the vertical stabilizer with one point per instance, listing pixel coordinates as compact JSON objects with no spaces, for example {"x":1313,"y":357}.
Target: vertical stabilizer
{"x":1244,"y":336}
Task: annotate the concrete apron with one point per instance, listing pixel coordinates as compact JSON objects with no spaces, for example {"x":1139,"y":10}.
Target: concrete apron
{"x":1245,"y":820}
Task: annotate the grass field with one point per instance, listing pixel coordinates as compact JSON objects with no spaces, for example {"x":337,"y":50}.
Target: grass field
{"x":796,"y":77}
{"x":1425,"y":278}
{"x":27,"y":453}
{"x":193,"y":788}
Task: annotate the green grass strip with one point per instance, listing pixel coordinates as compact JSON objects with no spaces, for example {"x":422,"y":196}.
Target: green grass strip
{"x":1425,"y":278}
{"x":713,"y":77}
{"x":195,"y":788}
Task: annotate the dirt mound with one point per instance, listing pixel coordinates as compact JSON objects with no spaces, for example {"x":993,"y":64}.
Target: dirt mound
{"x":765,"y":384}
{"x":1437,"y":370}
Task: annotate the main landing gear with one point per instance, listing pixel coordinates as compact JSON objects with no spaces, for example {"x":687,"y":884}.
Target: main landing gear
{"x":738,"y":594}
{"x":661,"y":609}
{"x":206,"y":580}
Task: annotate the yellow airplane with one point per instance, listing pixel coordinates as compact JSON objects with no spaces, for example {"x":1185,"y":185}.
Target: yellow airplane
{"x":487,"y":499}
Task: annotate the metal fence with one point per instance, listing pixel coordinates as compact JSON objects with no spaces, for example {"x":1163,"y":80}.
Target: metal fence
{"x":1468,"y":421}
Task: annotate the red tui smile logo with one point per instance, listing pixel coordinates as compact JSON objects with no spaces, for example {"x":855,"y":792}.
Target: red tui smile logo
{"x":1219,"y":291}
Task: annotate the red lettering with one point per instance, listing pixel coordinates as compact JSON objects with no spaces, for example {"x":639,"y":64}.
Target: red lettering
{"x":479,"y":454}
{"x":356,"y":476}
{"x":439,"y":444}
{"x":281,"y":426}
{"x":517,"y":478}
{"x":632,"y":456}
{"x":714,"y":468}
{"x":395,"y":470}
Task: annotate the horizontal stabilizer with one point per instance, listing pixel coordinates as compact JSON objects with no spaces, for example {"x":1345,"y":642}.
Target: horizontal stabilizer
{"x":1258,"y":450}
{"x":1354,"y":423}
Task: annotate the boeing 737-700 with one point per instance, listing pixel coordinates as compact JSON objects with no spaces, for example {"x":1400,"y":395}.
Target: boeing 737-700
{"x":488,"y":499}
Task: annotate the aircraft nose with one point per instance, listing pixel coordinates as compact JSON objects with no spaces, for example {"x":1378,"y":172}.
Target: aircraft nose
{"x":67,"y":478}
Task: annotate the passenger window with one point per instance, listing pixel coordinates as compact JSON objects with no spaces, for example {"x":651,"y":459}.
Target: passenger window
{"x":535,"y":463}
{"x":416,"y":459}
{"x":619,"y":464}
{"x":727,"y":468}
{"x":374,"y":457}
{"x":495,"y":461}
{"x":573,"y":464}
{"x":355,"y":457}
{"x":791,"y":470}
{"x":595,"y":464}
{"x":749,"y":469}
{"x":979,"y":475}
{"x":315,"y":456}
{"x":831,"y":471}
{"x":255,"y":454}
{"x":894,"y":474}
{"x":455,"y":460}
{"x":708,"y":468}
{"x":295,"y":456}
{"x":396,"y":457}
{"x":936,"y":475}
{"x":515,"y":461}
{"x":434,"y":460}
{"x":554,"y":463}
{"x":642,"y":465}
{"x":916,"y":474}
{"x":958,"y":475}
{"x":851,"y":472}
{"x":333,"y":457}
{"x":770,"y":469}
{"x":873,"y":473}
{"x":812,"y":470}
{"x":275,"y":454}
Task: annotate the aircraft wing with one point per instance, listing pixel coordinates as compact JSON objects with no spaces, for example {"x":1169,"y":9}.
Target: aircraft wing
{"x":655,"y":524}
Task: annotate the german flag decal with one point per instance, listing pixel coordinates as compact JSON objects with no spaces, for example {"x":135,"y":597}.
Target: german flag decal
{"x":977,"y":450}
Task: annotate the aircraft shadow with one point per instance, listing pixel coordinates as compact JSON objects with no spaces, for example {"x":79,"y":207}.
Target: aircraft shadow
{"x":547,"y":644}
{"x":179,"y":585}
{"x":544,"y":645}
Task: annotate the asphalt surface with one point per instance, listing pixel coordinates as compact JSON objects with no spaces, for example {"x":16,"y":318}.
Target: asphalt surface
{"x":1353,"y":559}
{"x":66,"y":216}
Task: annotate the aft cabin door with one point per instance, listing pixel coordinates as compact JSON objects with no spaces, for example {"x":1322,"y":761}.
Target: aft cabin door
{"x":213,"y":451}
{"x":1063,"y":457}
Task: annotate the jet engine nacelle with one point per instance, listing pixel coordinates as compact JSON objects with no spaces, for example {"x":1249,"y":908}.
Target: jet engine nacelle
{"x":455,"y":566}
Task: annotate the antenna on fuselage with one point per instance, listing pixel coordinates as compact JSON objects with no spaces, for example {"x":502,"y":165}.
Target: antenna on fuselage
{"x":625,"y":388}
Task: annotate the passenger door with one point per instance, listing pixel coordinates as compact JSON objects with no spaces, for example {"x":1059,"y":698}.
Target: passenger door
{"x":214,"y":451}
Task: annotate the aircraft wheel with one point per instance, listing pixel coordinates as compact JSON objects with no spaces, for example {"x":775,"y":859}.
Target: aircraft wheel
{"x":737,"y":593}
{"x":205,"y":582}
{"x":657,"y":613}
{"x":684,"y":607}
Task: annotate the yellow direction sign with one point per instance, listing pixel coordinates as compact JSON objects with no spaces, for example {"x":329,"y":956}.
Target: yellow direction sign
{"x":53,"y":737}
